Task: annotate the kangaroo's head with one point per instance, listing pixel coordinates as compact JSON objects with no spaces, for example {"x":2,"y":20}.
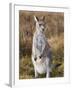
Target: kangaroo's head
{"x":39,"y":24}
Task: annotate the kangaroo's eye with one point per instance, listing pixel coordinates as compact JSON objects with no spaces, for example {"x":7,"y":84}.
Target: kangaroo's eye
{"x":40,"y":24}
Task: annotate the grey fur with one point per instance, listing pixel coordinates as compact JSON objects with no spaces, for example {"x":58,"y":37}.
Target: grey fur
{"x":41,"y":50}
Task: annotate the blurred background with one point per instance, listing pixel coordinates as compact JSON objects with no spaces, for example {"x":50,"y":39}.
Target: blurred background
{"x":54,"y":32}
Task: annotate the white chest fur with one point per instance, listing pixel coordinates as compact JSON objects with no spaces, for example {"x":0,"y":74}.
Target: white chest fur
{"x":41,"y":67}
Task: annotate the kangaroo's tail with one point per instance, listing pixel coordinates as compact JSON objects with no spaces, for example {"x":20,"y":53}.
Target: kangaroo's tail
{"x":55,"y":66}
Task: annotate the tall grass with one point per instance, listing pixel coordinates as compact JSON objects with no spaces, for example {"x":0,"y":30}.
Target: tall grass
{"x":57,"y":45}
{"x":54,"y":26}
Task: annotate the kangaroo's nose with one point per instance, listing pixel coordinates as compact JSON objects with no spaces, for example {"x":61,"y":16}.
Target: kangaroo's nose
{"x":43,"y":29}
{"x":35,"y":58}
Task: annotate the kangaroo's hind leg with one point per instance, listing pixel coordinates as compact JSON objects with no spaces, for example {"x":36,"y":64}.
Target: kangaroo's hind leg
{"x":48,"y":73}
{"x":36,"y":73}
{"x":48,"y":68}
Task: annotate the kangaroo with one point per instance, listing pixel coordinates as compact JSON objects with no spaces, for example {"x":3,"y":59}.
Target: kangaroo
{"x":41,"y":51}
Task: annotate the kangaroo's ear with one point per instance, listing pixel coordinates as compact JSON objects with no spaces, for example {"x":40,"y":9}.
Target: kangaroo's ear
{"x":43,"y":18}
{"x":36,"y":18}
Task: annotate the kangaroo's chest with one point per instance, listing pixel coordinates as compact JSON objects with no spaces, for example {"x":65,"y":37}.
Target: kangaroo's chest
{"x":39,"y":40}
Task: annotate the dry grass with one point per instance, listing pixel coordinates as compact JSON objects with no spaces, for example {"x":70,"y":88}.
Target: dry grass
{"x":54,"y":23}
{"x":26,"y":66}
{"x":57,"y":45}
